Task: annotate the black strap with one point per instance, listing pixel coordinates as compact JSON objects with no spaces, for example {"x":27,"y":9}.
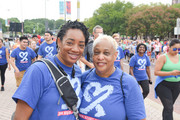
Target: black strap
{"x":60,"y":79}
{"x":56,"y":73}
{"x":62,"y":70}
{"x":122,"y":85}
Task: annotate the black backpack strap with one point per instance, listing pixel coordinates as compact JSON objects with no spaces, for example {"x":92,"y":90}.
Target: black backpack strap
{"x":63,"y":85}
{"x":122,"y":85}
{"x":122,"y":89}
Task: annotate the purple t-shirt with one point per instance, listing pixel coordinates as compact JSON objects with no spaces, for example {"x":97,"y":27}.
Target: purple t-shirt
{"x":3,"y":59}
{"x":47,"y":49}
{"x":23,"y":57}
{"x":103,"y":98}
{"x":139,"y":65}
{"x":119,"y":57}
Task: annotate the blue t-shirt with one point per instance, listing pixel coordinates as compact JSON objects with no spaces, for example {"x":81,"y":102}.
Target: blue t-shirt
{"x":39,"y":91}
{"x":103,"y":98}
{"x":3,"y":59}
{"x":119,"y":57}
{"x":47,"y":49}
{"x":139,"y":65}
{"x":23,"y":57}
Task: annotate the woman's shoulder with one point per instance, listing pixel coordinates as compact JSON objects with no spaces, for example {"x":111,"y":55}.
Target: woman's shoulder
{"x":87,"y":73}
{"x":128,"y":81}
{"x":77,"y":69}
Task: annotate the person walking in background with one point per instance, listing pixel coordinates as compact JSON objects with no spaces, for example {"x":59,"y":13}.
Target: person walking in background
{"x":4,"y":62}
{"x":152,"y":55}
{"x":21,"y":59}
{"x":7,"y":44}
{"x":97,"y":30}
{"x":48,"y":48}
{"x":140,"y":68}
{"x":119,"y":60}
{"x":103,"y":97}
{"x":157,"y":48}
{"x":167,"y":86}
{"x":36,"y":39}
{"x":38,"y":97}
{"x":16,"y":43}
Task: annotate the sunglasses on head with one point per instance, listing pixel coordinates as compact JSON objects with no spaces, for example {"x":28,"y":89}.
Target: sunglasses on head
{"x":174,"y":49}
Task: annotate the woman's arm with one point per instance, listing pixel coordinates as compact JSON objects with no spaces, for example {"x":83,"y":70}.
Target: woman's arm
{"x":148,"y":71}
{"x":7,"y":58}
{"x":131,"y":71}
{"x":159,"y":64}
{"x":23,"y":111}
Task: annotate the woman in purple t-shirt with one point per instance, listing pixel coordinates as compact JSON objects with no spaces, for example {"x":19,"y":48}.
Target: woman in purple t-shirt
{"x":4,"y":61}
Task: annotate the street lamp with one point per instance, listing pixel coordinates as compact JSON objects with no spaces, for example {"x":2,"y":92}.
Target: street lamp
{"x":46,"y":22}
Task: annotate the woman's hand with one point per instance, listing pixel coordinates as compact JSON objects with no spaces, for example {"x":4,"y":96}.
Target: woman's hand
{"x":17,"y":72}
{"x":175,"y":72}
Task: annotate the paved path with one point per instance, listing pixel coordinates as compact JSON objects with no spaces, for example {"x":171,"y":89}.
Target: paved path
{"x":153,"y":106}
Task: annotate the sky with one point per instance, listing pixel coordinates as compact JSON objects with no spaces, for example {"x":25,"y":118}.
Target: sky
{"x":31,"y":9}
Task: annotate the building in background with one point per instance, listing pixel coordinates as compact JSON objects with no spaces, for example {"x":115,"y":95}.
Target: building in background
{"x":175,"y":1}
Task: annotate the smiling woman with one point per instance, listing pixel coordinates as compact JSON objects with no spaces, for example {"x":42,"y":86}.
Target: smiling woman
{"x":38,"y":97}
{"x":167,"y":85}
{"x":103,"y":96}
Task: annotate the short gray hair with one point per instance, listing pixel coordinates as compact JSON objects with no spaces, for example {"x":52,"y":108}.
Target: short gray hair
{"x":97,"y":26}
{"x":105,"y":38}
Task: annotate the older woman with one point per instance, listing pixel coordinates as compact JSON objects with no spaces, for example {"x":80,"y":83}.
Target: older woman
{"x":38,"y":97}
{"x":167,"y":85}
{"x":103,"y":96}
{"x":140,"y":68}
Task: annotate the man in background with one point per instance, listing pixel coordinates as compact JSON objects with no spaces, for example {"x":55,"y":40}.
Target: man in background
{"x":97,"y":30}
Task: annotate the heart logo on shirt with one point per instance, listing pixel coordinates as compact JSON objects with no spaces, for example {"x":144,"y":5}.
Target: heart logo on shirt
{"x":142,"y":63}
{"x":23,"y":55}
{"x":49,"y":50}
{"x":96,"y":103}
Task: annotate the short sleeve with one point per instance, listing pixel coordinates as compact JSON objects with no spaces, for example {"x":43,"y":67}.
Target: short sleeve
{"x":31,"y":87}
{"x":134,"y":102}
{"x":13,"y":54}
{"x":40,"y":50}
{"x":132,"y":61}
{"x":33,"y":54}
{"x":121,"y":53}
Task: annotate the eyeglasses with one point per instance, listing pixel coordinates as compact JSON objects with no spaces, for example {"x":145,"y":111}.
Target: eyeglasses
{"x":174,"y":49}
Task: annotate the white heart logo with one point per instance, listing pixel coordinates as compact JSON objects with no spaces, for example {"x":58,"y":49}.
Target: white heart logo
{"x":96,"y":103}
{"x":142,"y":63}
{"x":49,"y":50}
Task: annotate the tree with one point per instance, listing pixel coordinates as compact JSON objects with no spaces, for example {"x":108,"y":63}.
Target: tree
{"x":153,"y":21}
{"x":58,"y":23}
{"x":110,"y":16}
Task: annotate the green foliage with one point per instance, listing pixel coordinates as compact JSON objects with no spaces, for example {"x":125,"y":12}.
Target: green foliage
{"x":153,"y":21}
{"x":111,"y":16}
{"x":4,"y":29}
{"x":35,"y":24}
{"x":176,"y":6}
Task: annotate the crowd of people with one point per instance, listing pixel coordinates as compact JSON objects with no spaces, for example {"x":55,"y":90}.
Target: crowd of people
{"x":103,"y":89}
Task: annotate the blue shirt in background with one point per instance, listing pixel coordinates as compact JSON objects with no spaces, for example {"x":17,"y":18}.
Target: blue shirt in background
{"x":23,"y":57}
{"x":3,"y":59}
{"x":47,"y":49}
{"x":139,"y":65}
{"x":119,"y":57}
{"x":39,"y":91}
